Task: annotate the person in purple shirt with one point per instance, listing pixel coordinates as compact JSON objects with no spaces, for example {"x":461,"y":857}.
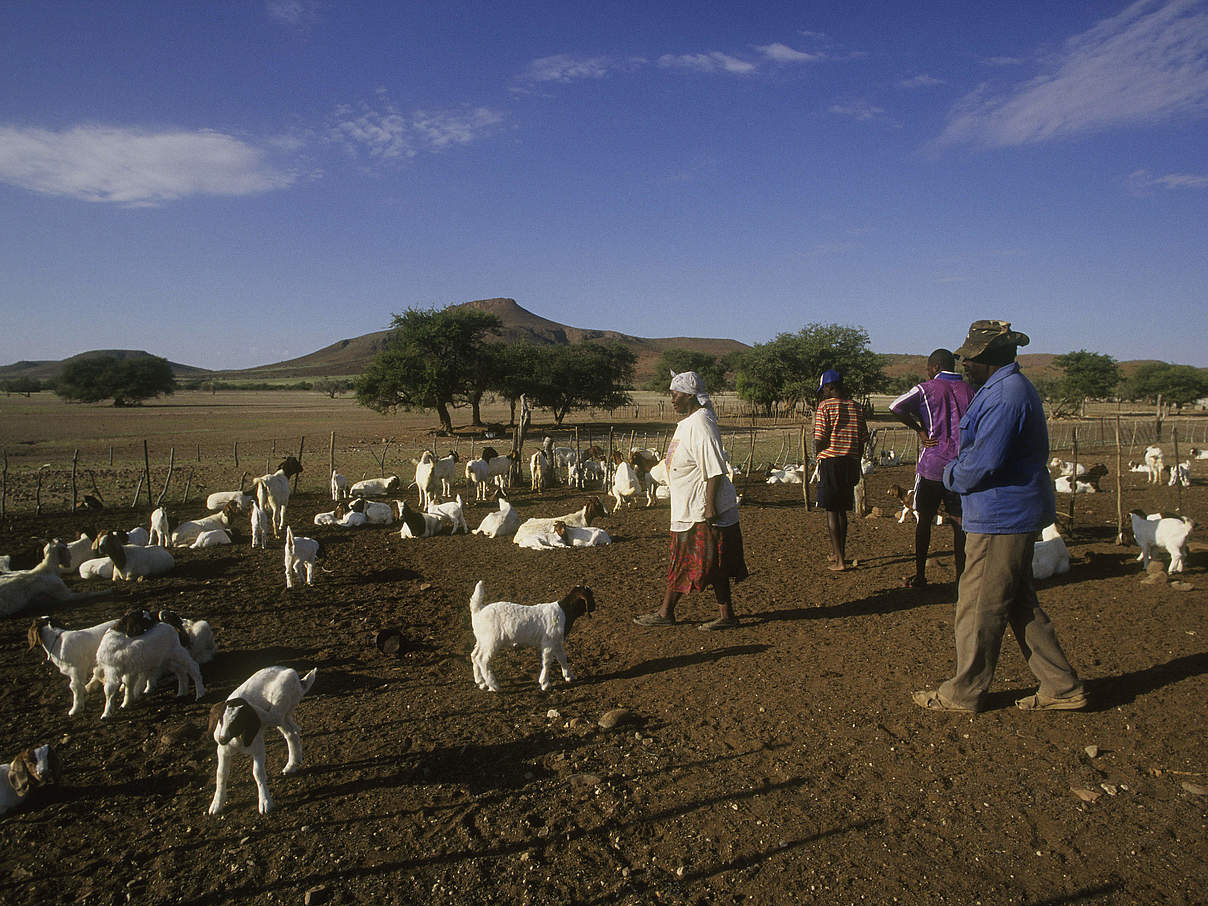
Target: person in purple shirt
{"x":934,"y":409}
{"x":1007,"y":497}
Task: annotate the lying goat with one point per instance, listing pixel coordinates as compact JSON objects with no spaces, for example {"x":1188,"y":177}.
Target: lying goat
{"x":422,"y":525}
{"x":1155,"y":533}
{"x":453,"y":510}
{"x":30,"y":769}
{"x":503,"y":522}
{"x":1050,"y":556}
{"x":133,"y":562}
{"x":267,"y":698}
{"x":24,"y":587}
{"x":543,"y":626}
{"x":72,"y":651}
{"x":592,"y":509}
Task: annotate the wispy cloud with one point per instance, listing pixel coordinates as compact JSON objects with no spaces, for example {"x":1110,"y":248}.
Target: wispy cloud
{"x":1142,"y":182}
{"x":1004,"y":61}
{"x":134,"y":166}
{"x":1147,"y":64}
{"x":922,"y":80}
{"x":782,"y":53}
{"x":858,"y":110}
{"x":566,"y":68}
{"x":294,"y":13}
{"x":713,"y":61}
{"x":382,"y":133}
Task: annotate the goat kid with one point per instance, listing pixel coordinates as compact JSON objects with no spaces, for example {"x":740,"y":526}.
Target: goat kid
{"x":301,"y":557}
{"x":265,"y":699}
{"x":1050,"y":556}
{"x":196,"y":636}
{"x":1155,"y":533}
{"x":133,"y":562}
{"x":592,"y":509}
{"x":505,"y":624}
{"x":423,"y":525}
{"x":72,"y":651}
{"x":23,"y":587}
{"x":136,"y":661}
{"x":503,"y":522}
{"x":272,"y":491}
{"x":31,"y":768}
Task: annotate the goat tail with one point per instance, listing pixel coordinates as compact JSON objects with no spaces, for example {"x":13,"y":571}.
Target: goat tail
{"x":309,"y":680}
{"x":480,"y":592}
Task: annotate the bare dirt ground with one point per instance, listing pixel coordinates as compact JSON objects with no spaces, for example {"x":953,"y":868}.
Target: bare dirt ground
{"x":782,"y":762}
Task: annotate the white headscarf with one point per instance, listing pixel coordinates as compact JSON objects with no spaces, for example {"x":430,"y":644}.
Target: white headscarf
{"x":690,"y":382}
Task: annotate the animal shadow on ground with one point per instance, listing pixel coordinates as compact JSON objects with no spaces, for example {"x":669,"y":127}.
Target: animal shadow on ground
{"x":889,"y":600}
{"x":233,"y":667}
{"x":1112,"y":691}
{"x":661,"y":664}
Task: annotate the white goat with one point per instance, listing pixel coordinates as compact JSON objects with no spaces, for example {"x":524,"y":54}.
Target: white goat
{"x":161,"y":528}
{"x":186,"y":532}
{"x":97,"y":568}
{"x":133,"y":562}
{"x":1180,"y":474}
{"x":626,"y":485}
{"x":135,"y":662}
{"x":504,"y":624}
{"x":453,"y":510}
{"x":262,"y":524}
{"x":211,"y":538}
{"x":301,"y":556}
{"x":72,"y":651}
{"x":431,"y":472}
{"x":22,"y":588}
{"x":478,"y":477}
{"x":339,"y":486}
{"x":581,"y":535}
{"x":77,"y":552}
{"x":138,"y":536}
{"x":423,"y":525}
{"x":787,"y":475}
{"x":591,"y":509}
{"x":1065,"y":467}
{"x":31,"y":768}
{"x":503,"y":522}
{"x":374,"y":487}
{"x":1155,"y":463}
{"x":375,"y":512}
{"x":195,"y":635}
{"x":267,"y":698}
{"x":272,"y":491}
{"x":1066,"y":485}
{"x":1050,"y":556}
{"x":540,"y":470}
{"x":1155,"y":533}
{"x":220,"y":499}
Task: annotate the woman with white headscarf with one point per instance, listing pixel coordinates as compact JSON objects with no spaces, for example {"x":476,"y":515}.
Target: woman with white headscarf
{"x":706,"y":542}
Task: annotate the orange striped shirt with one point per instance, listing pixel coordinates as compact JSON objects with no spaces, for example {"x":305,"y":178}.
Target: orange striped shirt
{"x":839,"y":428}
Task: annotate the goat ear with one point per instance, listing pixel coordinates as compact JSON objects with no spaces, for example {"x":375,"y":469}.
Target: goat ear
{"x":246,"y":724}
{"x":18,"y":774}
{"x":33,"y":636}
{"x":216,"y":713}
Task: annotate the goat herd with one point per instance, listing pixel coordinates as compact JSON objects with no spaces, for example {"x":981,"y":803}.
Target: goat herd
{"x":126,"y":657}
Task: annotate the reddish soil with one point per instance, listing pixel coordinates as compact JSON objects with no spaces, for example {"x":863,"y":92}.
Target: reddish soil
{"x":782,"y":762}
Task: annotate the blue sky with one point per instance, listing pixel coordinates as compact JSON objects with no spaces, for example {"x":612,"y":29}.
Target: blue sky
{"x":232,"y":184}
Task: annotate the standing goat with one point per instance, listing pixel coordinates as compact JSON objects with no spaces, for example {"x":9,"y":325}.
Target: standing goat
{"x":267,"y":698}
{"x":72,"y":651}
{"x":272,"y":491}
{"x":301,"y":556}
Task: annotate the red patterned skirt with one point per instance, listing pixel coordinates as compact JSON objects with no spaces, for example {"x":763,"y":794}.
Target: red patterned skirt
{"x":703,"y":554}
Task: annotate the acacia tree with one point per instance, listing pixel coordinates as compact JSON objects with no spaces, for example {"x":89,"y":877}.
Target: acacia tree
{"x":1180,"y":384}
{"x":1087,"y":375}
{"x":431,"y":361}
{"x":786,"y":370}
{"x":709,"y":367}
{"x":582,"y":376}
{"x":126,"y":381}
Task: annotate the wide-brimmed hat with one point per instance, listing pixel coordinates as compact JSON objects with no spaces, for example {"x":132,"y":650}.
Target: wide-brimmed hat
{"x":830,"y":376}
{"x":989,"y":335}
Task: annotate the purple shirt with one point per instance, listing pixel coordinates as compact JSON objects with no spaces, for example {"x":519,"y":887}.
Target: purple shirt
{"x":938,"y":404}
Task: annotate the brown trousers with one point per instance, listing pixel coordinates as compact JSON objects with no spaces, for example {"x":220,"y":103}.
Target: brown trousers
{"x":996,"y":589}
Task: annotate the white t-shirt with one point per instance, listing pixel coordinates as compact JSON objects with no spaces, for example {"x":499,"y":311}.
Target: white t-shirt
{"x":693,"y":457}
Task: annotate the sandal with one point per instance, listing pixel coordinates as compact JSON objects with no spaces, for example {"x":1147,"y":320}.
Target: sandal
{"x":931,"y":700}
{"x":1075,"y":701}
{"x":653,"y":619}
{"x":914,"y":581}
{"x":719,"y":623}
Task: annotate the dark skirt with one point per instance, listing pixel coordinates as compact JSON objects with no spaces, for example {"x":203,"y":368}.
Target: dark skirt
{"x":703,"y":554}
{"x":837,"y":480}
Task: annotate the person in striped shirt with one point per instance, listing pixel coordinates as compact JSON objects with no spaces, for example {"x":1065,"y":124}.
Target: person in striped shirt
{"x":840,"y":434}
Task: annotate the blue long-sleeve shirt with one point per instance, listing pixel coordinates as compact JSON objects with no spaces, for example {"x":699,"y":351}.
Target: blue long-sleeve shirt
{"x":1000,"y":471}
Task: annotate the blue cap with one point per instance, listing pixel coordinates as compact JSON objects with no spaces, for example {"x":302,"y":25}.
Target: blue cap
{"x":830,"y":376}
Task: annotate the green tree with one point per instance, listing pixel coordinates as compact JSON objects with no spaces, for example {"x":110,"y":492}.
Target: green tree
{"x":677,"y":359}
{"x":517,"y":371}
{"x":23,"y":385}
{"x":582,"y":376}
{"x":126,"y":381}
{"x":332,"y":387}
{"x":1087,"y":375}
{"x":431,"y":361}
{"x":1180,"y":384}
{"x":786,"y":370}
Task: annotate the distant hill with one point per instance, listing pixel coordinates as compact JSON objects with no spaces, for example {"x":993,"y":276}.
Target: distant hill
{"x":49,"y":370}
{"x":351,"y":356}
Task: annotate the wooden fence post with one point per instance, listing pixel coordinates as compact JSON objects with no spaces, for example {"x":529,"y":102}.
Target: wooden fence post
{"x":1174,"y":469}
{"x":331,"y":452}
{"x":146,"y":472}
{"x":138,"y":489}
{"x":236,"y":454}
{"x":75,"y":462}
{"x":168,"y":480}
{"x":1119,"y":491}
{"x":4,"y":486}
{"x":301,"y":444}
{"x":1073,"y":478}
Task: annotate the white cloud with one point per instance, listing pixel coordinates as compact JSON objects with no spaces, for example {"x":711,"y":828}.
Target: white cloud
{"x":294,"y":13}
{"x":383,"y":133}
{"x":714,"y":61}
{"x":1147,"y":64}
{"x":1140,"y":182}
{"x":782,"y":53}
{"x":922,"y":80}
{"x":133,"y":166}
{"x":566,"y":68}
{"x":858,"y":110}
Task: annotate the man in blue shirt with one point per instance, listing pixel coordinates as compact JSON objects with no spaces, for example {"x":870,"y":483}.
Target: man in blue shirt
{"x":1007,"y":497}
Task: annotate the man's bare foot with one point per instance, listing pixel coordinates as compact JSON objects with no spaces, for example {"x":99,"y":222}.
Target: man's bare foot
{"x":837,"y":567}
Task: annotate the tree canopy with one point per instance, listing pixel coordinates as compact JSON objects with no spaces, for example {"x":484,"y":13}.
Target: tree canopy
{"x":1086,"y":375}
{"x":1180,"y":384}
{"x":709,"y":367}
{"x":432,"y":360}
{"x":581,"y":376}
{"x":126,"y":381}
{"x":786,"y":369}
